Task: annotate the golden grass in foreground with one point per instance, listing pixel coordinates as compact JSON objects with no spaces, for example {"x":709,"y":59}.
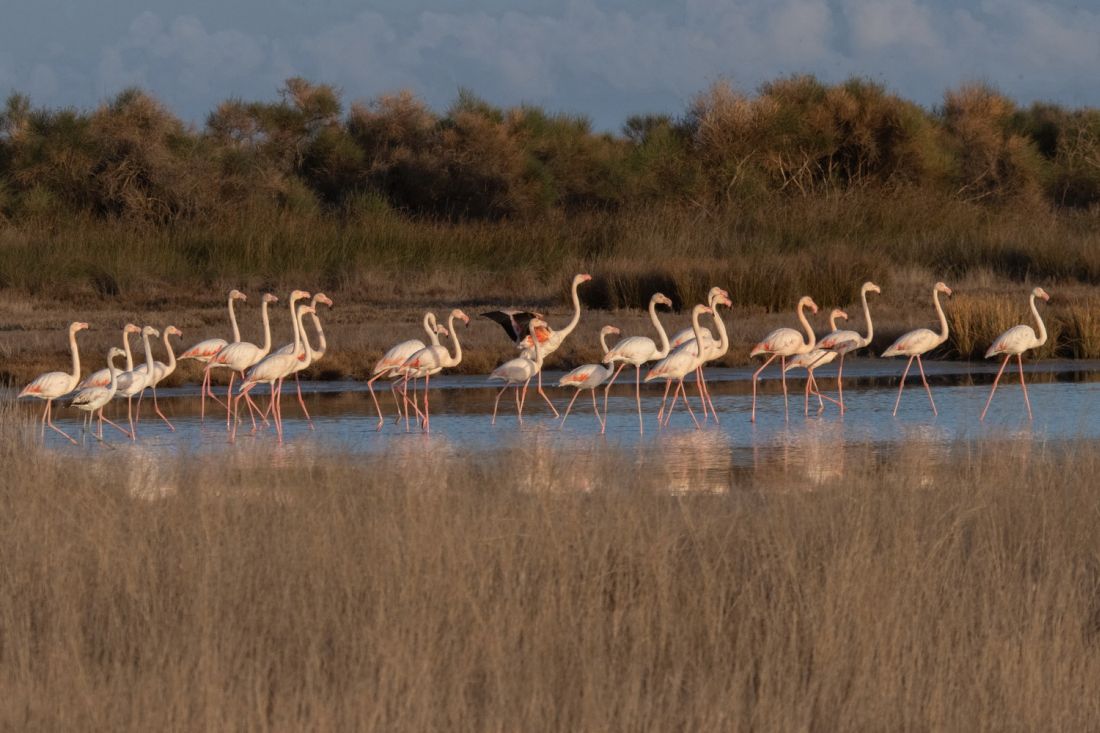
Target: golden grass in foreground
{"x":339,"y":592}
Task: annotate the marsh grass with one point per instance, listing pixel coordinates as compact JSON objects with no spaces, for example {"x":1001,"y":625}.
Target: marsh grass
{"x":932,"y":587}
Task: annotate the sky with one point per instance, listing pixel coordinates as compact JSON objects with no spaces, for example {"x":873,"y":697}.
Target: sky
{"x":607,"y":59}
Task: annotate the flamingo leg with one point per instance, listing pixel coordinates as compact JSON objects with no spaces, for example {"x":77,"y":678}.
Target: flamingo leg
{"x":427,"y":415}
{"x":543,"y":394}
{"x":607,"y":389}
{"x":755,"y":378}
{"x":496,"y":404}
{"x":664,"y":401}
{"x":137,"y":412}
{"x":298,"y":384}
{"x":687,"y":403}
{"x":637,"y":398}
{"x":809,"y":382}
{"x":926,"y":387}
{"x":370,"y":387}
{"x":278,"y":394}
{"x":130,"y":417}
{"x":229,"y":397}
{"x":702,"y":393}
{"x":596,"y":409}
{"x":675,"y":396}
{"x":706,"y":391}
{"x":156,"y":408}
{"x":783,"y":378}
{"x":105,"y":419}
{"x":996,"y":379}
{"x":902,"y":385}
{"x":1023,"y":385}
{"x":49,"y":422}
{"x":840,"y":384}
{"x":821,"y":395}
{"x":520,"y":401}
{"x":570,"y":407}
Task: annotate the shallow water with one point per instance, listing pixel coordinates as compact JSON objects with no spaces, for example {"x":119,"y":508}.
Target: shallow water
{"x":1062,"y":394}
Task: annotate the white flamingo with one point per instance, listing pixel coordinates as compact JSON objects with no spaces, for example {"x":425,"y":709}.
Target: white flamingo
{"x":677,"y":365}
{"x":782,"y":343}
{"x":133,"y":382}
{"x":637,"y":350}
{"x":92,"y":399}
{"x":204,"y":351}
{"x":390,"y":364}
{"x":102,"y":377}
{"x":520,"y":370}
{"x":317,"y":353}
{"x":687,"y":334}
{"x":712,"y":350}
{"x":844,"y":342}
{"x":161,"y":371}
{"x":1014,"y":342}
{"x":919,"y":342}
{"x":819,"y":357}
{"x":432,"y":360}
{"x":52,"y":385}
{"x":589,"y":377}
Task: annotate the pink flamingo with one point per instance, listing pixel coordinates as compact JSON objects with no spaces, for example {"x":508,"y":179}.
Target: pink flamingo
{"x":520,"y":370}
{"x":432,"y":360}
{"x":204,"y":351}
{"x":52,"y":385}
{"x":819,"y":357}
{"x":844,"y":342}
{"x":550,"y":339}
{"x":239,"y":356}
{"x":393,"y":360}
{"x":134,"y":381}
{"x":687,"y":334}
{"x":589,"y":376}
{"x":317,"y":353}
{"x":681,"y":362}
{"x":92,"y":399}
{"x":784,"y":342}
{"x":272,"y":370}
{"x":712,"y":350}
{"x":637,"y":350}
{"x":102,"y":377}
{"x":161,"y":371}
{"x":1014,"y":342}
{"x":919,"y":342}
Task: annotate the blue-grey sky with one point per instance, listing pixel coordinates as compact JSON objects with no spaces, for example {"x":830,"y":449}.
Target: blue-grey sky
{"x":604,"y":58}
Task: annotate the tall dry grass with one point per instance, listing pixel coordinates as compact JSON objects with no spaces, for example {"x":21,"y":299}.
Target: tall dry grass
{"x":943,"y":588}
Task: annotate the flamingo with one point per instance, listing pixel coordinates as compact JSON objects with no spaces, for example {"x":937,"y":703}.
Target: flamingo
{"x":679,"y":364}
{"x":134,"y":381}
{"x":317,"y":353}
{"x":918,"y":342}
{"x":392,"y":361}
{"x":687,"y":334}
{"x":548,"y":338}
{"x":819,"y":357}
{"x":1014,"y":342}
{"x":272,"y":370}
{"x":93,"y":398}
{"x":51,"y":385}
{"x":432,"y":360}
{"x":160,"y":372}
{"x":845,"y":342}
{"x":519,"y":371}
{"x":204,"y":351}
{"x":241,"y":355}
{"x":102,"y":377}
{"x":637,"y":350}
{"x":712,"y":350}
{"x":590,"y":376}
{"x":784,"y":342}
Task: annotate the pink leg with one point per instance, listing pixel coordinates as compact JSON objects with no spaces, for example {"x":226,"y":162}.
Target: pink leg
{"x":1023,"y":385}
{"x":820,"y":395}
{"x":675,"y":396}
{"x":370,"y":387}
{"x":809,"y":381}
{"x":520,"y":401}
{"x":49,"y":422}
{"x":926,"y":387}
{"x":607,"y":389}
{"x":702,"y":394}
{"x":543,"y":394}
{"x":277,"y":390}
{"x":156,"y":407}
{"x":137,"y":412}
{"x":298,"y":384}
{"x":637,"y":398}
{"x":496,"y":404}
{"x":104,"y":419}
{"x":997,"y":379}
{"x":427,"y":415}
{"x":130,"y":417}
{"x":664,"y":401}
{"x":596,"y":409}
{"x":755,"y":378}
{"x":229,"y":398}
{"x":570,"y":407}
{"x":840,"y":384}
{"x":783,"y":376}
{"x":706,"y":391}
{"x":902,"y":385}
{"x":687,"y":403}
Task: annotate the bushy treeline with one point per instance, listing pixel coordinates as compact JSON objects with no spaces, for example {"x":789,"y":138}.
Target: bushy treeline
{"x":131,"y":159}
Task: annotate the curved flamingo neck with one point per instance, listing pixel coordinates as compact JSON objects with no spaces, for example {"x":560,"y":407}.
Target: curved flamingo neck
{"x":538,"y":350}
{"x":296,"y":321}
{"x":576,"y":312}
{"x":811,"y":338}
{"x":603,"y":342}
{"x":665,"y":346}
{"x":941,"y":314}
{"x":1039,"y":320}
{"x":303,"y":339}
{"x":457,"y":358}
{"x":867,"y":316}
{"x":233,"y":322}
{"x":267,"y":327}
{"x":429,"y":326}
{"x":76,"y":355}
{"x":723,"y":337}
{"x":171,"y":354}
{"x":149,"y":363}
{"x":113,"y":384}
{"x":697,"y":330}
{"x":322,"y":345}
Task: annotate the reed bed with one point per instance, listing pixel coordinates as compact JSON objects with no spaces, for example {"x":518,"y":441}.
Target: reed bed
{"x":936,"y":587}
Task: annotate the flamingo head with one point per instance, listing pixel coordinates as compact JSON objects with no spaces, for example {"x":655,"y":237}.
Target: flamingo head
{"x":131,"y":328}
{"x":1040,"y":293}
{"x":662,"y":299}
{"x":299,"y":294}
{"x":272,"y":298}
{"x":807,"y":302}
{"x":322,"y":298}
{"x":173,"y":331}
{"x":941,"y":288}
{"x":113,"y":352}
{"x":456,"y":313}
{"x":150,"y":331}
{"x":716,"y":293}
{"x":723,"y":300}
{"x":838,"y":313}
{"x":306,"y":310}
{"x":870,"y":287}
{"x":701,"y":309}
{"x":536,"y":323}
{"x":237,"y":295}
{"x":442,"y":330}
{"x":609,"y":331}
{"x":77,"y":326}
{"x":581,"y":278}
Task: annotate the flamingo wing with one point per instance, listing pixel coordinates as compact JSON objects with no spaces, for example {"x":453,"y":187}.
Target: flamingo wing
{"x":49,"y":386}
{"x":204,"y":350}
{"x":1015,"y":340}
{"x":397,"y":355}
{"x":782,"y":341}
{"x":512,"y":320}
{"x":633,"y":349}
{"x":687,"y":334}
{"x":913,"y":343}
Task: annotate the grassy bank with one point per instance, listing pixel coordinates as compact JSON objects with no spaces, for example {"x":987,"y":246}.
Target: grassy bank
{"x":932,"y":588}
